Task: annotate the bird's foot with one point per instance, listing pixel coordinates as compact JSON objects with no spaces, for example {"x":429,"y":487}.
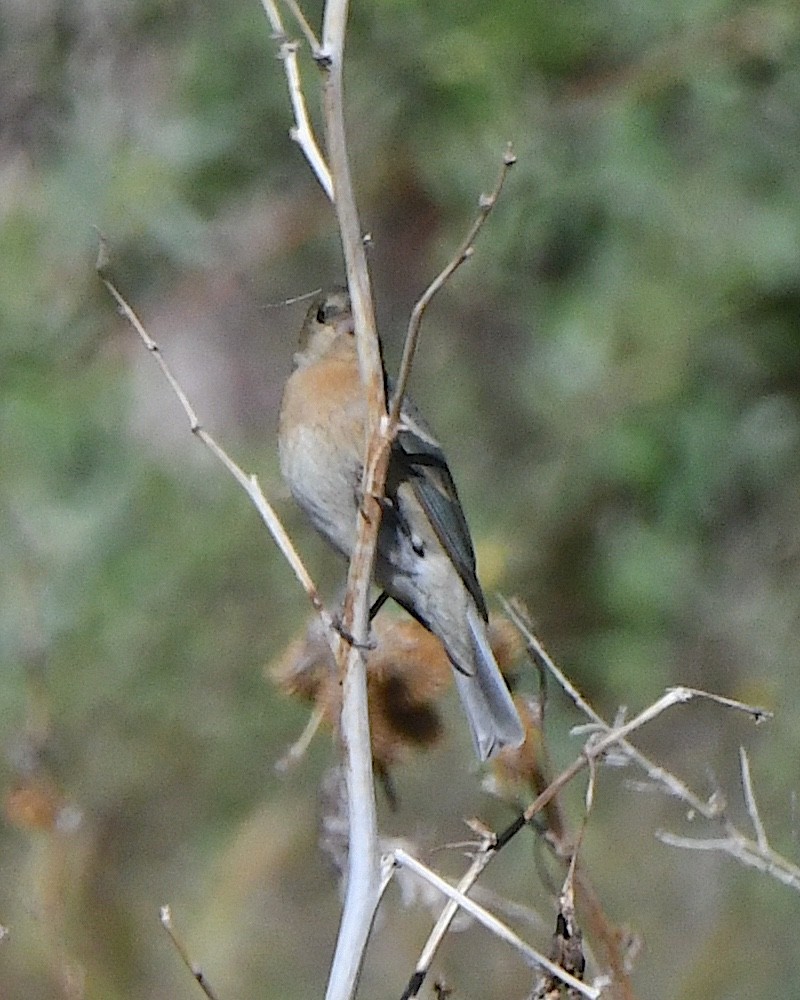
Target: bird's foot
{"x":351,"y":640}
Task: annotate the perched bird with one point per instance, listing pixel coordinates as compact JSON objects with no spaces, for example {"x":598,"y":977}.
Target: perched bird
{"x":424,"y":559}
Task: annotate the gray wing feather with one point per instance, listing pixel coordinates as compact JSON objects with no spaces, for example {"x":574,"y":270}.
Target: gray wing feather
{"x":418,"y":459}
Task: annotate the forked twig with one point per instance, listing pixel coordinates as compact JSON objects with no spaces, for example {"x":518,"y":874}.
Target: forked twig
{"x":480,"y":860}
{"x":753,"y":853}
{"x":592,"y":752}
{"x":302,"y":133}
{"x":497,"y":927}
{"x":596,"y":748}
{"x":709,"y":808}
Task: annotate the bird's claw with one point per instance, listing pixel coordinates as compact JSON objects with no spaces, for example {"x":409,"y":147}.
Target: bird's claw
{"x":351,"y":640}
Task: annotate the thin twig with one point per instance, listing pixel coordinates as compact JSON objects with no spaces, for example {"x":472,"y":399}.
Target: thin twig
{"x":491,"y":922}
{"x":464,"y":252}
{"x":165,"y":915}
{"x":742,"y":849}
{"x":292,"y":300}
{"x":750,"y":801}
{"x":297,"y":750}
{"x":709,"y":808}
{"x":305,"y":27}
{"x":364,"y":874}
{"x":754,"y":854}
{"x":576,"y":848}
{"x":479,"y":861}
{"x":302,"y":133}
{"x":596,"y":748}
{"x":249,"y":483}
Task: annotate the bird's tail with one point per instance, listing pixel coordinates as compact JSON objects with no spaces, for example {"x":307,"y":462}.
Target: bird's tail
{"x":487,"y":702}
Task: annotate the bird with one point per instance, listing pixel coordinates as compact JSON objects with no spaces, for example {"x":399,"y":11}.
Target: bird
{"x":425,"y":560}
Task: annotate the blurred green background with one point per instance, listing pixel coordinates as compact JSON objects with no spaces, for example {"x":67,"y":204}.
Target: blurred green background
{"x":615,"y":376}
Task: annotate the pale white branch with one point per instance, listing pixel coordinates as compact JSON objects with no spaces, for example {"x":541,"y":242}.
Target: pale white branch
{"x":364,"y":876}
{"x":750,"y":801}
{"x":302,"y":133}
{"x":742,"y":849}
{"x":305,"y":27}
{"x":754,"y":854}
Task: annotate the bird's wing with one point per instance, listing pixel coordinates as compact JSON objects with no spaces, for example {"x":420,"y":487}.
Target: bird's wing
{"x":418,"y":458}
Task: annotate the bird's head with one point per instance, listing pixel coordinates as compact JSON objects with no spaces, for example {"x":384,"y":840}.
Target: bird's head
{"x":328,"y":327}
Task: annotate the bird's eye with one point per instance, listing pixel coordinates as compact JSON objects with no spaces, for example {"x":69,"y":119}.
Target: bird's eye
{"x":321,"y":314}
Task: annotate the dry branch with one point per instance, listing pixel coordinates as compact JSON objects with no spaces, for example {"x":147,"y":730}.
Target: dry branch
{"x":363,"y":876}
{"x":302,"y":133}
{"x":249,"y":483}
{"x":165,"y":915}
{"x":464,"y":252}
{"x":497,"y":927}
{"x":753,"y":853}
{"x":709,"y":808}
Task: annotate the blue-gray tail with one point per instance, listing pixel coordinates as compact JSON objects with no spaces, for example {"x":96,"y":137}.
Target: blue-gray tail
{"x":487,"y":702}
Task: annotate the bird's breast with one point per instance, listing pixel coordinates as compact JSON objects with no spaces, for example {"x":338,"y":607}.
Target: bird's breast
{"x":321,"y":442}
